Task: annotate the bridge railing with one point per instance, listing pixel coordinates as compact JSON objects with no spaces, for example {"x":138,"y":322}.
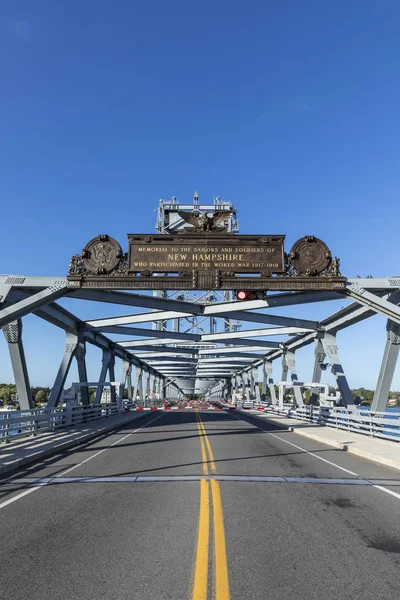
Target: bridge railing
{"x":374,"y":424}
{"x":17,"y":424}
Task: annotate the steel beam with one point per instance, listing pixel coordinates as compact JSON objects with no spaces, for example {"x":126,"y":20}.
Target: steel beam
{"x":71,"y":344}
{"x":221,"y":336}
{"x":141,"y":300}
{"x":106,"y":359}
{"x":291,"y":364}
{"x":208,"y":310}
{"x":331,"y":350}
{"x":23,"y":307}
{"x":268,"y":381}
{"x":152,"y":333}
{"x":319,"y":355}
{"x":388,"y":366}
{"x":374,"y":302}
{"x":80,"y":356}
{"x":13,"y":334}
{"x":144,"y":351}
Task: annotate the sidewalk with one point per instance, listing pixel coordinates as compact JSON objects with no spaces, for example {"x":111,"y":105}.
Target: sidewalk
{"x":380,"y":451}
{"x":26,"y":451}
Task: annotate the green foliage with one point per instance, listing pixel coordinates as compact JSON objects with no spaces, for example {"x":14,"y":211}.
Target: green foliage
{"x":40,"y":397}
{"x":6,"y":391}
{"x":362,"y":396}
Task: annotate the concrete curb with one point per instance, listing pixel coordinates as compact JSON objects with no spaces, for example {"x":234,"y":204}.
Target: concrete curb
{"x":382,"y":460}
{"x":86,"y":437}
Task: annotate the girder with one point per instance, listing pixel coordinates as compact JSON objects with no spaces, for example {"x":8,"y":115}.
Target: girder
{"x":30,"y":304}
{"x":199,"y":357}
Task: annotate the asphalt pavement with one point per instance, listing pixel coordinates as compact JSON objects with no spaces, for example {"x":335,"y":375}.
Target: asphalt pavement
{"x":199,"y":505}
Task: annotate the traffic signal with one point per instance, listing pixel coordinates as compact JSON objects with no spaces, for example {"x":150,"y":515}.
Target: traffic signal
{"x":249,"y":294}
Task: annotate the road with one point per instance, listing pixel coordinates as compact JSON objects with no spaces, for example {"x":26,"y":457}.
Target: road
{"x":170,"y":507}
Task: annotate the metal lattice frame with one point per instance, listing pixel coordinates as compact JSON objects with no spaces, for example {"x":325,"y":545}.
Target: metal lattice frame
{"x":196,"y":344}
{"x":212,"y":363}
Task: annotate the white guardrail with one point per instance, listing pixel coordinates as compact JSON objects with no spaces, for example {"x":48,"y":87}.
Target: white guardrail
{"x":384,"y":425}
{"x":15,"y":424}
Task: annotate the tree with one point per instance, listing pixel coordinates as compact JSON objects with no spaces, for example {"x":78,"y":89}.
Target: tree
{"x":40,"y":397}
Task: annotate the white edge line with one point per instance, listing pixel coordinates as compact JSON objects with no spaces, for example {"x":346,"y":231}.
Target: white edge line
{"x":21,"y":495}
{"x":26,"y":492}
{"x":378,"y":487}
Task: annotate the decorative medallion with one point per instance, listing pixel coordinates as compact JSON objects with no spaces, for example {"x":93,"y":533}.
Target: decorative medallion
{"x":310,"y":256}
{"x":102,"y":255}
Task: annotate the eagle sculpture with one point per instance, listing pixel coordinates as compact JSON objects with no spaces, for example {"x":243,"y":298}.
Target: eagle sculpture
{"x":206,"y":221}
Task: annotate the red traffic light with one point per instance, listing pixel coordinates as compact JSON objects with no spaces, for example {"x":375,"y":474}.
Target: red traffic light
{"x":246,"y":295}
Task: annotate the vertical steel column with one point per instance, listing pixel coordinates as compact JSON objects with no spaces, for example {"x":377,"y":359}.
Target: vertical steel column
{"x":13,"y":334}
{"x":268,"y":381}
{"x":256,"y":386}
{"x":388,"y":366}
{"x":246,"y":383}
{"x":138,"y":372}
{"x":129,"y":383}
{"x":151,"y":389}
{"x":104,"y":368}
{"x":140,"y":387}
{"x":159,"y":388}
{"x":80,"y":356}
{"x":251,"y":384}
{"x":233,"y":389}
{"x":111,"y":370}
{"x":285,"y":367}
{"x":240,"y":383}
{"x":317,"y":372}
{"x":291,"y":364}
{"x":146,"y":388}
{"x":126,"y":371}
{"x":71,"y":343}
{"x":331,"y":351}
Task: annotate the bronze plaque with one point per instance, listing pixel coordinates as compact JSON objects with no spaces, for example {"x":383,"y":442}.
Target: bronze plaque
{"x":206,"y":260}
{"x":213,"y":252}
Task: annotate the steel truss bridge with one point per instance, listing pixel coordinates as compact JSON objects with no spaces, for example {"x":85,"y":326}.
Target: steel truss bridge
{"x":183,"y":345}
{"x":209,"y":501}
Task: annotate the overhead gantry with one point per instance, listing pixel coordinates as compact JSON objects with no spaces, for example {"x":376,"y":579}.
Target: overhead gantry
{"x":175,"y":363}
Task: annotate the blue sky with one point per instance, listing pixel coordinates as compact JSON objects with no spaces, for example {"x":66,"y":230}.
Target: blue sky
{"x":288,"y":109}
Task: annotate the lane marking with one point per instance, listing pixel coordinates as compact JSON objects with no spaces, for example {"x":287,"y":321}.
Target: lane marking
{"x":202,"y":445}
{"x":38,"y":487}
{"x":239,"y":478}
{"x":378,"y":487}
{"x":200,"y":584}
{"x":298,"y":447}
{"x":108,"y":447}
{"x":220,"y":558}
{"x":11,"y":500}
{"x":213,"y":468}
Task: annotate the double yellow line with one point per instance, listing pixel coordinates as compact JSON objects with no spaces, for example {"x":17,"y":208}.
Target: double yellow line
{"x":205,"y":446}
{"x":221,"y":580}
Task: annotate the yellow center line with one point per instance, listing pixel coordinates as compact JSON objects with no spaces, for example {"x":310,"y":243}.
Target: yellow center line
{"x":213,"y":468}
{"x":220,"y":559}
{"x":200,"y":584}
{"x":203,"y":448}
{"x":200,"y":581}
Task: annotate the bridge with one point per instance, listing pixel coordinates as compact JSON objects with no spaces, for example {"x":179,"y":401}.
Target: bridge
{"x":194,"y":476}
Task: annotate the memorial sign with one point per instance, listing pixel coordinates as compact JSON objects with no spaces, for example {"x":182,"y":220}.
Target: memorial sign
{"x":206,"y":257}
{"x":240,"y":254}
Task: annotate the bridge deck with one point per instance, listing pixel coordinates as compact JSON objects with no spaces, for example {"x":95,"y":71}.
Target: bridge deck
{"x":319,"y":523}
